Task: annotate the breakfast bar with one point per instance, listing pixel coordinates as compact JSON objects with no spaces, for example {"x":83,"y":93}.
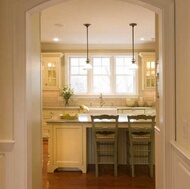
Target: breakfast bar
{"x":71,"y":145}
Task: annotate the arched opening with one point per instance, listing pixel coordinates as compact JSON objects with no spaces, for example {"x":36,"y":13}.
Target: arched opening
{"x":166,"y":55}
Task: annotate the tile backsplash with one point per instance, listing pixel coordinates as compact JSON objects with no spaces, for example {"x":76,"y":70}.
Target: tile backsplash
{"x":52,"y":98}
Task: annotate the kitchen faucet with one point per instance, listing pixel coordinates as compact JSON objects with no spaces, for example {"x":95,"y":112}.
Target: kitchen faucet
{"x":101,"y":100}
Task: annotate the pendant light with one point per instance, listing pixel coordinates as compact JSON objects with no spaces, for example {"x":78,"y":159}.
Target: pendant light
{"x":87,"y":66}
{"x":133,"y":65}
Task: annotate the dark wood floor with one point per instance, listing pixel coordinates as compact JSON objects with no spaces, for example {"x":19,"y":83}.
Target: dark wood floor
{"x":106,"y":180}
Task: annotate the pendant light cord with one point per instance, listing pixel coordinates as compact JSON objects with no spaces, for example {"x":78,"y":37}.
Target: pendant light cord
{"x":87,"y":25}
{"x":133,"y":43}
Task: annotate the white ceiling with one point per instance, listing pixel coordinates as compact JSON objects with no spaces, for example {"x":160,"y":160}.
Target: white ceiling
{"x":109,"y":21}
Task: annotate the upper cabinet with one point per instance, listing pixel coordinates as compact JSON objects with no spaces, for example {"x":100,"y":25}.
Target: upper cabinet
{"x":148,"y":70}
{"x":50,"y":70}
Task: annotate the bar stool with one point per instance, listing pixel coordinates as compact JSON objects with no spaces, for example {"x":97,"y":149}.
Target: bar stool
{"x":105,"y":133}
{"x":140,"y":140}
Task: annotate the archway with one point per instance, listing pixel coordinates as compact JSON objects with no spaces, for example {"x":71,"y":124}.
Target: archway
{"x":166,"y":33}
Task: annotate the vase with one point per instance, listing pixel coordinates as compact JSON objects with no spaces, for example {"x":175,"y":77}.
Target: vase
{"x":66,"y":101}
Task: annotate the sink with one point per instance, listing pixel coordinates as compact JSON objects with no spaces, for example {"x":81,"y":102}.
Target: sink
{"x":102,"y":110}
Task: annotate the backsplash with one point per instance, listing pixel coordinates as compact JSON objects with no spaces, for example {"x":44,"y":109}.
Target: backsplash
{"x":52,"y":98}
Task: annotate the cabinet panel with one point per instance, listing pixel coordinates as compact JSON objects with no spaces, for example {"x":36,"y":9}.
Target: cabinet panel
{"x":150,"y":111}
{"x":49,"y":113}
{"x":67,"y":147}
{"x":2,"y":171}
{"x":148,"y":70}
{"x":50,"y":70}
{"x":133,"y":111}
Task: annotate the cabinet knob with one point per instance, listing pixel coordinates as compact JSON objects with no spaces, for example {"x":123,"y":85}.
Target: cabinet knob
{"x":51,"y":112}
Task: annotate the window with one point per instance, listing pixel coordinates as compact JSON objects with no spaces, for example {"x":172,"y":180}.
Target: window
{"x":110,"y":75}
{"x":101,"y":75}
{"x":78,"y":76}
{"x":125,"y":78}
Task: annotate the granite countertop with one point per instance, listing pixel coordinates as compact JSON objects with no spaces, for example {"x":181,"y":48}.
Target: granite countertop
{"x":104,"y":107}
{"x":83,"y":118}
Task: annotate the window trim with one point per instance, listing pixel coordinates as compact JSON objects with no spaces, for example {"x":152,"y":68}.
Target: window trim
{"x":112,"y":56}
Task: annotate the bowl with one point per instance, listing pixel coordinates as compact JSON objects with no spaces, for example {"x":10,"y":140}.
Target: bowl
{"x":130,"y":102}
{"x":150,"y":103}
{"x":140,"y":103}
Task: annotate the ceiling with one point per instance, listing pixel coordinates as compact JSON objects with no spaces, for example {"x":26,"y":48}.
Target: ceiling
{"x":109,"y":21}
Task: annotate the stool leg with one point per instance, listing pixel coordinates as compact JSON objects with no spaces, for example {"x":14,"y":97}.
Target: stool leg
{"x":96,"y":161}
{"x":151,"y":159}
{"x":132,"y":160}
{"x":115,"y":162}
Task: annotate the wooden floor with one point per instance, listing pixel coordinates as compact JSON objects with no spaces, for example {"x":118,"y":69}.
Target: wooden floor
{"x":106,"y":180}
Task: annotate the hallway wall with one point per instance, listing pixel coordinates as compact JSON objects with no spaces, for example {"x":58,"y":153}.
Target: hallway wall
{"x":15,"y":139}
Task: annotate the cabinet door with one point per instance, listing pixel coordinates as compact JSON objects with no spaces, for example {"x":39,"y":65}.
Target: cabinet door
{"x":135,"y":112}
{"x":127,"y":111}
{"x":148,"y":70}
{"x":150,"y":111}
{"x":50,"y":70}
{"x":67,"y":146}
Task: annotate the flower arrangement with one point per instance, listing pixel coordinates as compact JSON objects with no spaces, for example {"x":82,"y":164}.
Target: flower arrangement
{"x":67,"y":91}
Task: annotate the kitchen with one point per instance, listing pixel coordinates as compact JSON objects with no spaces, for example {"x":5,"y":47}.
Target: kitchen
{"x":144,"y":95}
{"x":20,"y":131}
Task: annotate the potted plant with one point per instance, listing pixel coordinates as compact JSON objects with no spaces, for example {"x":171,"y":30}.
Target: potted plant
{"x":67,"y":91}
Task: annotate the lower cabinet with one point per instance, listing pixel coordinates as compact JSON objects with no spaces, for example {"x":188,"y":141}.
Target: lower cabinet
{"x":48,"y":113}
{"x":67,"y":147}
{"x":145,"y":110}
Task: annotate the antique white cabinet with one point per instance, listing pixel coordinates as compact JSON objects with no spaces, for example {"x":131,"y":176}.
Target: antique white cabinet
{"x":67,"y":146}
{"x":148,"y":70}
{"x":50,"y":70}
{"x":48,"y":113}
{"x":136,"y":110}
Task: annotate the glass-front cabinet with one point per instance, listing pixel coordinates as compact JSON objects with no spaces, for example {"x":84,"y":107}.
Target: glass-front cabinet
{"x":50,"y":70}
{"x":148,"y":70}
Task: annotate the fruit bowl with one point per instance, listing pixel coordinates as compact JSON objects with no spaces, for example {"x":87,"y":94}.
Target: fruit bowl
{"x":69,"y":116}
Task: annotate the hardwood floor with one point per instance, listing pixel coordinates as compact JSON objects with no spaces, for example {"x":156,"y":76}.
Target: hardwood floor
{"x":78,"y":180}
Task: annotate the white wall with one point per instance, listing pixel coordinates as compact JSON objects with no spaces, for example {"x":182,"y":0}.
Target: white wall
{"x":14,"y":117}
{"x":183,"y":73}
{"x":34,"y":103}
{"x":181,"y":147}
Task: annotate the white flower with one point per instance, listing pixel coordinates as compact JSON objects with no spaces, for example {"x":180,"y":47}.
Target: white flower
{"x":67,"y":91}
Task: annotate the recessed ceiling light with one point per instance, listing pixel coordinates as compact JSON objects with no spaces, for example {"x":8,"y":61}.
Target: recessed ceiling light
{"x":56,"y":39}
{"x":142,"y":38}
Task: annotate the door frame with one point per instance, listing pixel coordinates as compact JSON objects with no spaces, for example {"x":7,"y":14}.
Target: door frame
{"x":22,"y":50}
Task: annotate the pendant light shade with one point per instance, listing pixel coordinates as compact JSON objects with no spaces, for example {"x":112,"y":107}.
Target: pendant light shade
{"x":87,"y":66}
{"x":133,"y":65}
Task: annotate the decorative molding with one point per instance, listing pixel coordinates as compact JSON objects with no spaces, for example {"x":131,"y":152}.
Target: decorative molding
{"x":2,"y":171}
{"x":182,"y":153}
{"x":6,"y":145}
{"x":180,"y":166}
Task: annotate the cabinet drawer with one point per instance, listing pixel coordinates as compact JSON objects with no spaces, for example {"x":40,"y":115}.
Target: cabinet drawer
{"x":151,"y":111}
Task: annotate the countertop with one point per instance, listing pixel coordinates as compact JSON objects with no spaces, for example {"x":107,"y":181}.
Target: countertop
{"x":104,"y":107}
{"x":83,"y":118}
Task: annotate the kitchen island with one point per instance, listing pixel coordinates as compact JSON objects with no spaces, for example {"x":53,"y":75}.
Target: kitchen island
{"x":70,"y":143}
